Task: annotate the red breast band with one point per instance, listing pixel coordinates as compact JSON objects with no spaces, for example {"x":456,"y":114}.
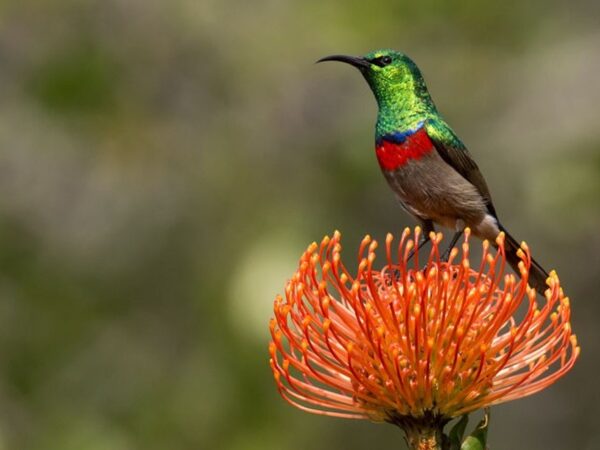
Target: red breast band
{"x":392,"y":155}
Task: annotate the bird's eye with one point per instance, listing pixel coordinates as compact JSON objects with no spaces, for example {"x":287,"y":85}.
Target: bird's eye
{"x":386,"y":60}
{"x":382,"y":61}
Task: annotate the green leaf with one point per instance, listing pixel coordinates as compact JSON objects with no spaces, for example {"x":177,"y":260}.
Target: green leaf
{"x":477,"y":440}
{"x":457,"y":432}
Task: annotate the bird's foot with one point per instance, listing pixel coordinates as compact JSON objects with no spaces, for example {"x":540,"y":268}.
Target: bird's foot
{"x":446,"y":255}
{"x":423,"y":239}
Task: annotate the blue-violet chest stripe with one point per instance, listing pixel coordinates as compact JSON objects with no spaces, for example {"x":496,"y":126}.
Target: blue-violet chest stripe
{"x":398,"y":137}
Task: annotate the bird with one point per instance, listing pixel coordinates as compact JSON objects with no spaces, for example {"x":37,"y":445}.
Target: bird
{"x":427,"y":166}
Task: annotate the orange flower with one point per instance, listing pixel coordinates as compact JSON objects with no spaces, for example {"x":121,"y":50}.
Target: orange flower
{"x":404,"y":342}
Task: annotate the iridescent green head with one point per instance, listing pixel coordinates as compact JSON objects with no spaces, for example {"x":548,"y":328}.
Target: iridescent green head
{"x":398,"y":86}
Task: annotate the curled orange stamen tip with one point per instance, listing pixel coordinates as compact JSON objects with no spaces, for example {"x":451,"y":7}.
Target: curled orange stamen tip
{"x":430,"y":343}
{"x":277,"y":336}
{"x":389,"y":238}
{"x":431,"y":313}
{"x":417,"y":229}
{"x":520,"y":253}
{"x":524,"y":246}
{"x":272,"y":324}
{"x":467,"y":231}
{"x":337,"y":235}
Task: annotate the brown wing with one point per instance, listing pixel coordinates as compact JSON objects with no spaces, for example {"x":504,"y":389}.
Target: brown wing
{"x":455,"y":154}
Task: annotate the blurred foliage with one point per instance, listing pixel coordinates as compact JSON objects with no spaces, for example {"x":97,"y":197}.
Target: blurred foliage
{"x":163,"y":165}
{"x":81,"y":80}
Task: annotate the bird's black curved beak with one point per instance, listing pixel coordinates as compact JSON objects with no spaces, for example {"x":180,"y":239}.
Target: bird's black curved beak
{"x":356,"y":61}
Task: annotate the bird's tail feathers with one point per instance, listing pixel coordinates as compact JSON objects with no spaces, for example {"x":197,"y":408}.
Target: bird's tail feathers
{"x":537,"y":274}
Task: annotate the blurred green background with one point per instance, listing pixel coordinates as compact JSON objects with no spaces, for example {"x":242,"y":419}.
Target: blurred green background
{"x":164,"y":163}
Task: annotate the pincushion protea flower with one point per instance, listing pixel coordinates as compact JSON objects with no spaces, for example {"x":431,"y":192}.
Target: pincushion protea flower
{"x":415,"y":346}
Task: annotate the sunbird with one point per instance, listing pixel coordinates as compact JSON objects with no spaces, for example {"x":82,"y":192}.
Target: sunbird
{"x":427,"y":166}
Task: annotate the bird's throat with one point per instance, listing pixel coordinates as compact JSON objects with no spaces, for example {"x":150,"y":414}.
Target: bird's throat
{"x":403,"y":115}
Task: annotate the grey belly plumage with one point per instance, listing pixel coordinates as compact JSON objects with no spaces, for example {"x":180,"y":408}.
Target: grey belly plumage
{"x":430,"y":189}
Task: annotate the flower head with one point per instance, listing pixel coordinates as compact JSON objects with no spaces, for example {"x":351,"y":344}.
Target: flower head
{"x":404,"y":341}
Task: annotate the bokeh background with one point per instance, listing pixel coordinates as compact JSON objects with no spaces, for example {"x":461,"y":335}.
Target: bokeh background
{"x":164,"y":163}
